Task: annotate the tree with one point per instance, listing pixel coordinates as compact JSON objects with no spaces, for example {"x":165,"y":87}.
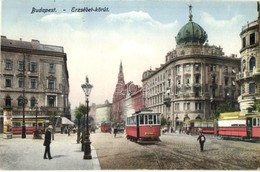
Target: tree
{"x":224,"y":107}
{"x":79,"y":113}
{"x":255,"y":106}
{"x":163,"y":121}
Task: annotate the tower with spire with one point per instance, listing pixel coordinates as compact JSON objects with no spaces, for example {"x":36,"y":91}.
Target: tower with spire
{"x":119,"y":96}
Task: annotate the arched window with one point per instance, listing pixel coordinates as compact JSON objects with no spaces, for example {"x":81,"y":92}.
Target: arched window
{"x":252,"y":63}
{"x":8,"y":101}
{"x":20,"y":102}
{"x":33,"y":102}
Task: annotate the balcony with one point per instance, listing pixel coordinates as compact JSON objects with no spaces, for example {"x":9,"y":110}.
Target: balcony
{"x":246,"y":74}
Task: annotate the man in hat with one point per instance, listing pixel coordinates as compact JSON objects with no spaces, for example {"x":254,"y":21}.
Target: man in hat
{"x":47,"y":142}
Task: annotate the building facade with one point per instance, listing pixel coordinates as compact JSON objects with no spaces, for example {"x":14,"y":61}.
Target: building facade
{"x":103,"y":113}
{"x":37,"y":74}
{"x":249,"y":77}
{"x":195,"y":78}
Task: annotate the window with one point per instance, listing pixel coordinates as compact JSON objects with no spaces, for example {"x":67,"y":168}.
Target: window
{"x":197,"y":67}
{"x":51,"y":83}
{"x":252,"y":38}
{"x":197,"y":79}
{"x":20,"y":102}
{"x":226,"y":69}
{"x":251,"y":88}
{"x":177,"y":106}
{"x":244,"y":42}
{"x":141,"y":119}
{"x":20,"y":65}
{"x":187,"y":68}
{"x":252,"y":63}
{"x":8,"y":101}
{"x":8,"y":82}
{"x":197,"y":105}
{"x":33,"y":83}
{"x":33,"y":102}
{"x":178,"y":69}
{"x":8,"y":64}
{"x":51,"y":100}
{"x":33,"y":67}
{"x":226,"y":81}
{"x":213,"y":79}
{"x":21,"y":82}
{"x":212,"y":67}
{"x":51,"y":68}
{"x":186,"y":106}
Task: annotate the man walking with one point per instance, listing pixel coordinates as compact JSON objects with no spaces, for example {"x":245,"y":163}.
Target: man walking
{"x":201,"y":140}
{"x":47,"y":142}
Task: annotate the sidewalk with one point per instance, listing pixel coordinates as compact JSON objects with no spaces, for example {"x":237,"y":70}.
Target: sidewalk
{"x":27,"y":154}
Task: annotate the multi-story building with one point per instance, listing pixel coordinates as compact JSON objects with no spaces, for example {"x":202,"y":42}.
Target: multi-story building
{"x":195,"y":78}
{"x":103,"y":113}
{"x":249,"y":77}
{"x":37,"y":73}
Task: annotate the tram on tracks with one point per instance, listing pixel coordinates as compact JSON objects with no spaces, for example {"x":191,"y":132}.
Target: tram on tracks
{"x":105,"y":127}
{"x":143,"y":127}
{"x":30,"y":124}
{"x":233,"y":124}
{"x":202,"y":126}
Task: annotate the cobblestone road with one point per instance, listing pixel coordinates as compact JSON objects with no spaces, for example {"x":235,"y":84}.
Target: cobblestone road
{"x":175,"y":152}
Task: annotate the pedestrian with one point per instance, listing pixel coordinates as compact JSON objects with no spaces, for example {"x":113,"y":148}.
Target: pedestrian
{"x":201,"y":140}
{"x":115,"y":130}
{"x":47,"y":142}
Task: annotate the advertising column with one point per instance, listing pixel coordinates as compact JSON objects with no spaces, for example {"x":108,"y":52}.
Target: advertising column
{"x":7,"y":123}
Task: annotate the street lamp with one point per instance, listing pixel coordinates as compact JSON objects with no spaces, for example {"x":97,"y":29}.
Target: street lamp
{"x":36,"y":134}
{"x":87,"y":150}
{"x":23,"y":124}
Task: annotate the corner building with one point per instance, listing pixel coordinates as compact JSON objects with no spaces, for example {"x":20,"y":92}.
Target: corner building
{"x":195,"y":78}
{"x":249,"y":77}
{"x":37,"y":72}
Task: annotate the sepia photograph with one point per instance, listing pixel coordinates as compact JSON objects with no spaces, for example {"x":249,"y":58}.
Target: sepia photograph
{"x":129,"y":85}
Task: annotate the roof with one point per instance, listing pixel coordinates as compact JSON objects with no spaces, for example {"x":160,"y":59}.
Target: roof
{"x":229,"y":115}
{"x":66,"y":121}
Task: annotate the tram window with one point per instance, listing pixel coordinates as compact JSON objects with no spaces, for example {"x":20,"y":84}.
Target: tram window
{"x":150,"y":119}
{"x":158,"y":119}
{"x":141,"y":119}
{"x":254,"y":121}
{"x":154,"y":119}
{"x":210,"y":125}
{"x":146,"y":119}
{"x":16,"y":124}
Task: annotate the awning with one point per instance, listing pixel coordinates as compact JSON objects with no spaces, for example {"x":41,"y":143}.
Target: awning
{"x":65,"y":120}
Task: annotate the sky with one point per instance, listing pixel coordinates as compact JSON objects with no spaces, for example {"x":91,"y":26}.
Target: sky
{"x":137,"y":32}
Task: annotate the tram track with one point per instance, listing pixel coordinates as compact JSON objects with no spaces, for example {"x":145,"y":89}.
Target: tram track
{"x":196,"y":162}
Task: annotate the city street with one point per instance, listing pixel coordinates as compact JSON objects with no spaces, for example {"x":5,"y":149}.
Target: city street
{"x":175,"y":152}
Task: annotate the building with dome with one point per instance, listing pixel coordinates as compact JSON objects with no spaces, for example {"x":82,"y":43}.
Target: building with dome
{"x":249,"y":77}
{"x":195,"y":78}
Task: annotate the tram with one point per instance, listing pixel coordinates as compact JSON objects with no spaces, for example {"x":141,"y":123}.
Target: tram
{"x":30,"y":124}
{"x":105,"y":127}
{"x":143,"y":127}
{"x":234,"y":125}
{"x":202,"y":126}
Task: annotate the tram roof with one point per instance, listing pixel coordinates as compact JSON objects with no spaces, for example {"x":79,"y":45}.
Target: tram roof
{"x":229,"y":115}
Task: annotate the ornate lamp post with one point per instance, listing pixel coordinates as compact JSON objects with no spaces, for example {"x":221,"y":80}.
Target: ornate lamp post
{"x":87,"y":150}
{"x":24,"y":101}
{"x":36,"y":134}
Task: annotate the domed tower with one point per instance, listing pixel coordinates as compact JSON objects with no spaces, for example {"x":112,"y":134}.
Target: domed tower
{"x":191,"y":33}
{"x":195,"y":79}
